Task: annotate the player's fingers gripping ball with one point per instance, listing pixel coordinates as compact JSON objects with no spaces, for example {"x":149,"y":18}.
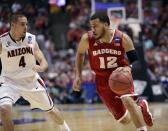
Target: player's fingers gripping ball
{"x":120,"y":82}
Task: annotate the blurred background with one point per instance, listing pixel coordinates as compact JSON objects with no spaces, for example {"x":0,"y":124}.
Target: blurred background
{"x":59,"y":25}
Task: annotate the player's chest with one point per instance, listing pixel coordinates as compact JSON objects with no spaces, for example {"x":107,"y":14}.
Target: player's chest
{"x":12,"y":49}
{"x":107,"y":50}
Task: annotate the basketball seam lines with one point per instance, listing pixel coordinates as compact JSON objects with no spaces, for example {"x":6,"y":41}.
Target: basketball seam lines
{"x":128,"y":78}
{"x":120,"y":81}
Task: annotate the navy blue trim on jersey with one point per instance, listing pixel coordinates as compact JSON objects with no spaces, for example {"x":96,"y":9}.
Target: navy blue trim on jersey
{"x":11,"y":38}
{"x":6,"y":97}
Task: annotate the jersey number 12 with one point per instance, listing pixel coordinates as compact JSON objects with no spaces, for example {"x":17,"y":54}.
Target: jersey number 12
{"x":22,"y":62}
{"x":111,"y":62}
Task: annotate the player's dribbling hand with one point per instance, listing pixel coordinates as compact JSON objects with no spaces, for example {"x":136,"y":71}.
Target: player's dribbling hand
{"x":76,"y":84}
{"x":125,"y":69}
{"x":37,"y":68}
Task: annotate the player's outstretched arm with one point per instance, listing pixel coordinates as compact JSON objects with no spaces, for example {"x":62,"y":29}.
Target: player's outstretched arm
{"x":82,"y":47}
{"x":41,"y":59}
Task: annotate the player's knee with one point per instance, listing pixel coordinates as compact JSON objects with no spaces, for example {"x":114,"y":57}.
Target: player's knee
{"x":56,"y":114}
{"x":54,"y":111}
{"x":126,"y":119}
{"x":5,"y":110}
{"x":128,"y":102}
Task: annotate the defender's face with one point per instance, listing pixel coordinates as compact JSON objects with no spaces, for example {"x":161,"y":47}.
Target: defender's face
{"x":20,"y":26}
{"x":97,"y":27}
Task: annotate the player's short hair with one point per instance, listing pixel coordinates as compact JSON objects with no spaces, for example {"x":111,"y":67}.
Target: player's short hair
{"x":102,"y":16}
{"x":14,"y":17}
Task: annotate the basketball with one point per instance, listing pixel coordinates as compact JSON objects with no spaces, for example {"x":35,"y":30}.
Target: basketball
{"x":120,"y":82}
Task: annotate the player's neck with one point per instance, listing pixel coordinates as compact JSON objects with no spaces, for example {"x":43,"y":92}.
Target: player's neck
{"x":106,"y":38}
{"x":14,"y":36}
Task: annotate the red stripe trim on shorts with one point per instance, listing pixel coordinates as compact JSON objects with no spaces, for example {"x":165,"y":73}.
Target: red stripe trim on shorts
{"x":41,"y":82}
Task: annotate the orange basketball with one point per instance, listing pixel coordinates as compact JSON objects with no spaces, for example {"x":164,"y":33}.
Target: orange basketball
{"x":120,"y":82}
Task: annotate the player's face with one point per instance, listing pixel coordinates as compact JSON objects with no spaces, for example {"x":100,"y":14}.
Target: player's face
{"x":97,"y":27}
{"x":20,"y":26}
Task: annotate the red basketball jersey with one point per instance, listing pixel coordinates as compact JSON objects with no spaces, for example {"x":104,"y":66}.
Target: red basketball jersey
{"x":106,"y":57}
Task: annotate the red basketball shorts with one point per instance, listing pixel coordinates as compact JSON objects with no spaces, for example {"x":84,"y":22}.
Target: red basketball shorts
{"x":111,"y":99}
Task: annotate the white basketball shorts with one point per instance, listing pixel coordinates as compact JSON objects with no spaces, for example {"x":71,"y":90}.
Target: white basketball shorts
{"x":31,"y":89}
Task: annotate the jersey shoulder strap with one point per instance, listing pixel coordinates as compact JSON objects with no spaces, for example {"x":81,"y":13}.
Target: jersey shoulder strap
{"x":4,"y":34}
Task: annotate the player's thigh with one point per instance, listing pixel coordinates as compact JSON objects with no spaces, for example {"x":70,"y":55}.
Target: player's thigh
{"x":8,"y":94}
{"x":126,"y":119}
{"x":113,"y":103}
{"x":39,"y":97}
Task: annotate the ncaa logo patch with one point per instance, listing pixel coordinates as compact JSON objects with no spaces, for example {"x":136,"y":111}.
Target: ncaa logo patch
{"x":117,"y":41}
{"x":8,"y":44}
{"x":29,"y":39}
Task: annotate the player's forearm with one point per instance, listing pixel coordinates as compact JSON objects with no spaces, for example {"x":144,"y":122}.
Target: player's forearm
{"x":43,"y":65}
{"x":79,"y":64}
{"x":41,"y":60}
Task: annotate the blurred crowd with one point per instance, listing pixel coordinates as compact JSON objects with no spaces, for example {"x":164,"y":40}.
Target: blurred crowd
{"x":155,"y":39}
{"x":60,"y":74}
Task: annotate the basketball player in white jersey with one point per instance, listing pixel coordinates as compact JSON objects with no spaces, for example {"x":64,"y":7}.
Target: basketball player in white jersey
{"x":19,"y":52}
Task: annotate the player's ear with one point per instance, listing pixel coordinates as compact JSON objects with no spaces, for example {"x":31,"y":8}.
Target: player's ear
{"x":105,"y":25}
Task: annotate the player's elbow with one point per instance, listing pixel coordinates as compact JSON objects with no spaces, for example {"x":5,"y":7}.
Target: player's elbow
{"x":46,"y":67}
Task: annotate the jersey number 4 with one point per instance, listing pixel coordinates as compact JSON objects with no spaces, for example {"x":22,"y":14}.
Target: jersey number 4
{"x":22,"y":62}
{"x":111,"y":62}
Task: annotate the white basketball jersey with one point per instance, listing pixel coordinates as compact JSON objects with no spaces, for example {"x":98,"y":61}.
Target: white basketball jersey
{"x":18,"y":59}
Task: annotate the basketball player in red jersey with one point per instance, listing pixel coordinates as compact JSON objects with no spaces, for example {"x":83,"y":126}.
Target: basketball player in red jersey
{"x":106,"y":49}
{"x":19,"y":51}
